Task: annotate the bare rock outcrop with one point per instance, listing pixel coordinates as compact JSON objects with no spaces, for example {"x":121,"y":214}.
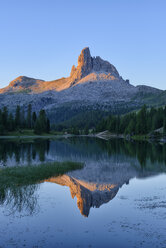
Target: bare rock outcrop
{"x":88,"y":64}
{"x":93,"y":84}
{"x":84,"y":66}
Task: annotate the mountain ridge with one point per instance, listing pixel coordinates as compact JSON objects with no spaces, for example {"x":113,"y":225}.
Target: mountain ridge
{"x":98,"y":68}
{"x":94,"y":85}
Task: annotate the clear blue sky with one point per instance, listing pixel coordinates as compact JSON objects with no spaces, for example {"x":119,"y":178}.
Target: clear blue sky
{"x":43,"y":38}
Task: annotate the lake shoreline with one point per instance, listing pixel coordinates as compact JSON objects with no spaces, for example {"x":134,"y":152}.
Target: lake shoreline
{"x":102,"y":135}
{"x":106,"y":135}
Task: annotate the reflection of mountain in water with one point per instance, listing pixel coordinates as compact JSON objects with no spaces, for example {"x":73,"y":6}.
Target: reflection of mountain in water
{"x":88,"y":194}
{"x":108,"y":166}
{"x":94,"y":187}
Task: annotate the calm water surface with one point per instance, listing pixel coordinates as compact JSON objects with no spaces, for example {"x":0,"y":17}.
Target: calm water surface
{"x":117,"y":200}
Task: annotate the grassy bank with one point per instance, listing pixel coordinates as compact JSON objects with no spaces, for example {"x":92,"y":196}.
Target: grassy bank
{"x":140,"y":137}
{"x":20,"y":176}
{"x":29,"y":134}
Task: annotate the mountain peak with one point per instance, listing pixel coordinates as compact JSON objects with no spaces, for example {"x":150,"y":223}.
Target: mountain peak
{"x":21,"y":84}
{"x":22,"y":80}
{"x":85,"y":61}
{"x":84,"y":66}
{"x":88,"y":64}
{"x":88,"y":69}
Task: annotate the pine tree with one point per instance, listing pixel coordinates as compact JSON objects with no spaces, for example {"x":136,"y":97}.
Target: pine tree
{"x":75,"y":131}
{"x":11,"y":124}
{"x":1,"y":129}
{"x":29,"y":116}
{"x":48,"y":126}
{"x":117,"y":129}
{"x":1,"y":124}
{"x":164,"y":118}
{"x":141,"y":126}
{"x":112,"y":124}
{"x":34,"y":117}
{"x":164,"y":112}
{"x":37,"y":127}
{"x":41,"y":123}
{"x":164,"y":126}
{"x":86,"y":131}
{"x":23,"y":121}
{"x":130,"y":128}
{"x":17,"y":117}
{"x":43,"y":120}
{"x":5,"y":117}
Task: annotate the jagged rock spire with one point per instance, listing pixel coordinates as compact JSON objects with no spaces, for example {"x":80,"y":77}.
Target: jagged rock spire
{"x":87,"y":64}
{"x":84,"y":65}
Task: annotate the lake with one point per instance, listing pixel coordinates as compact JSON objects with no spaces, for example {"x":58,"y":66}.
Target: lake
{"x":117,"y":200}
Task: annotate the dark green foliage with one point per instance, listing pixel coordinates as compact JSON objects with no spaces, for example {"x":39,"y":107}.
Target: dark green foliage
{"x":23,"y":120}
{"x":29,"y":117}
{"x":164,"y":126}
{"x":5,"y":117}
{"x":86,"y":131}
{"x":140,"y":123}
{"x":8,"y":123}
{"x":75,"y":131}
{"x":37,"y":128}
{"x":130,"y":128}
{"x":1,"y":124}
{"x":2,"y":129}
{"x":11,"y":123}
{"x":79,"y":116}
{"x":80,"y":120}
{"x":17,"y":117}
{"x":34,"y":117}
{"x":48,"y":126}
{"x":164,"y":121}
{"x":42,"y":124}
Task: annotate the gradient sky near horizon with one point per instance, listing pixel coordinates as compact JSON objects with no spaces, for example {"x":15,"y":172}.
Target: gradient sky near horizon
{"x":43,"y":38}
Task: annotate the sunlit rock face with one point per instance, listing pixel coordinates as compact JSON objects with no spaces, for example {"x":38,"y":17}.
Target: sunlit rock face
{"x":96,"y":184}
{"x":21,"y":84}
{"x":100,"y":179}
{"x":86,"y":65}
{"x":88,"y":194}
{"x":93,"y":84}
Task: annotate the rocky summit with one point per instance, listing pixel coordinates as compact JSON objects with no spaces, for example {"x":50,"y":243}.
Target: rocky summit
{"x":95,"y":67}
{"x":93,"y":85}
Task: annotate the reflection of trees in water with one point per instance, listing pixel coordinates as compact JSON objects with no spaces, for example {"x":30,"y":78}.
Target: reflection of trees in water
{"x":25,"y":152}
{"x":83,"y":146}
{"x":143,"y":151}
{"x":21,"y":199}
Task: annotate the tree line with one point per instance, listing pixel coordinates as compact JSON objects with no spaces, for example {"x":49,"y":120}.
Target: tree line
{"x":136,"y":123}
{"x":20,"y":120}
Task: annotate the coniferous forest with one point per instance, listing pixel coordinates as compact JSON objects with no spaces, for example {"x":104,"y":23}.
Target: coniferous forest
{"x":19,"y":121}
{"x":142,"y":122}
{"x":135,"y":123}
